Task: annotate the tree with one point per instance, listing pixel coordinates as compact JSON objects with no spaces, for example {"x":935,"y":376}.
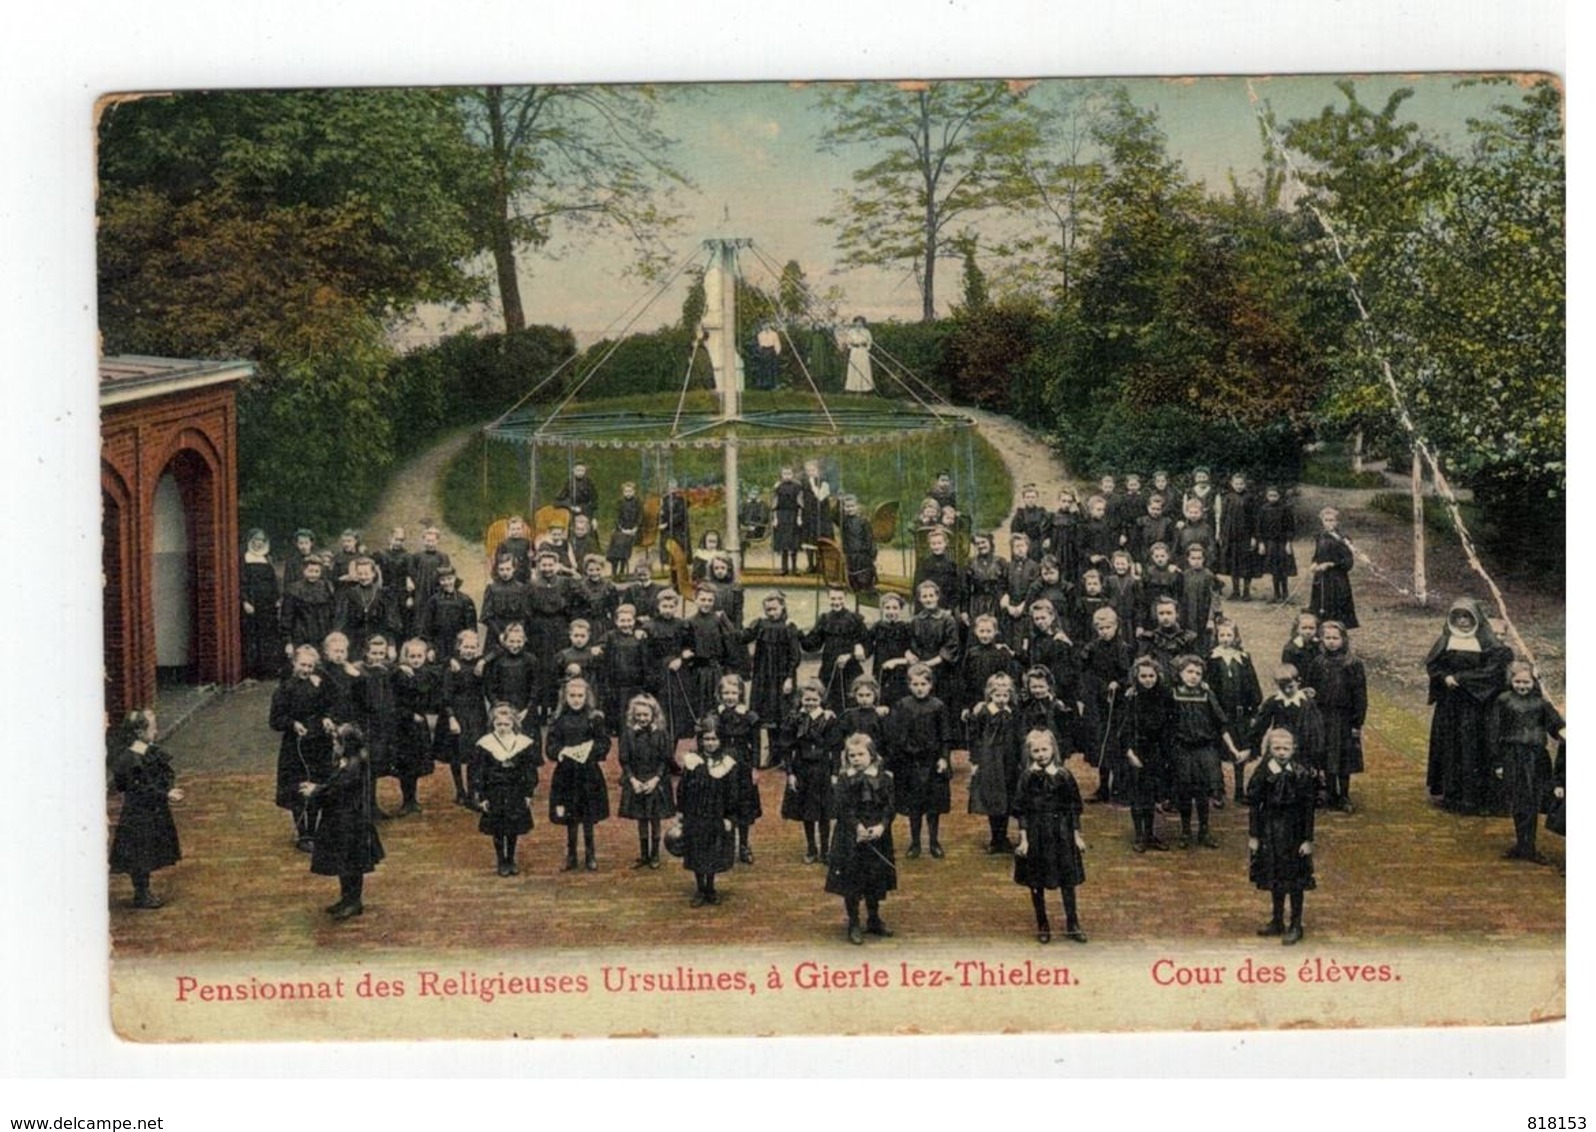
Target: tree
{"x":1459,"y":261}
{"x":976,"y":295}
{"x":1053,"y":181}
{"x":370,"y":176}
{"x":792,"y":292}
{"x":936,"y":147}
{"x":1139,"y":258}
{"x":1376,"y":176}
{"x":290,"y":228}
{"x":566,"y":161}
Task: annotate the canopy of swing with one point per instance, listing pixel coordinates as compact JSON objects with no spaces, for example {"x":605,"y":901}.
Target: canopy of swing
{"x":902,"y":404}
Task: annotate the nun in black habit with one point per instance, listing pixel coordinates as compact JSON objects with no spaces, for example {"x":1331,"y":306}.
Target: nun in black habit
{"x":1467,"y":667}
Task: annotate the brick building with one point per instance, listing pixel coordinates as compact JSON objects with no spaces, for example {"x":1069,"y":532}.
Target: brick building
{"x":169,"y":525}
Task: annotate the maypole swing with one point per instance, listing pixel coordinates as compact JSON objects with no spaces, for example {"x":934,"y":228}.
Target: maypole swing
{"x":738,"y":423}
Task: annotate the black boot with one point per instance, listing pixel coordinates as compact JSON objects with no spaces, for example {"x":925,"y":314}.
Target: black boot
{"x":1294,"y":930}
{"x":352,"y":905}
{"x":873,"y":923}
{"x":142,"y":896}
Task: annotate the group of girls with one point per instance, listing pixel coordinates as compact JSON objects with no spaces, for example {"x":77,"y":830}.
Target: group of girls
{"x":1088,"y":640}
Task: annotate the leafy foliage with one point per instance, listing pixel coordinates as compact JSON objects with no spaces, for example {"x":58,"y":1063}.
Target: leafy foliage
{"x":558,"y":164}
{"x":287,"y":228}
{"x":1459,"y":261}
{"x":936,"y":147}
{"x":1172,"y":436}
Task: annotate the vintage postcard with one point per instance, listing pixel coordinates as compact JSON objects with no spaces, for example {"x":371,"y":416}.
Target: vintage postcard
{"x":994,"y":556}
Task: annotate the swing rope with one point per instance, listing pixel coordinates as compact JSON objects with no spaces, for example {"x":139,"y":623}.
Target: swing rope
{"x":623,"y":316}
{"x":1399,"y":402}
{"x":614,"y":346}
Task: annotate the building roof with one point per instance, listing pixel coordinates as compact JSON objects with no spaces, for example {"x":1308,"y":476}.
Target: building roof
{"x":131,"y":377}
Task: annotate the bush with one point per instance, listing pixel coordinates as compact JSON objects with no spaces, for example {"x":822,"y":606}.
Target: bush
{"x":1524,"y":516}
{"x":987,"y":353}
{"x":314,"y":445}
{"x":1175,"y":438}
{"x":919,"y":347}
{"x":1437,"y":517}
{"x":1516,"y":524}
{"x":318,"y":439}
{"x":639,"y":363}
{"x":479,"y":376}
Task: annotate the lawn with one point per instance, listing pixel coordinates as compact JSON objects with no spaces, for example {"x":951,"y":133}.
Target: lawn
{"x":492,"y":478}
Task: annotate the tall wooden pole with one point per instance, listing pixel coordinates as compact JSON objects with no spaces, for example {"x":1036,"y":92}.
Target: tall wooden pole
{"x":731,"y":397}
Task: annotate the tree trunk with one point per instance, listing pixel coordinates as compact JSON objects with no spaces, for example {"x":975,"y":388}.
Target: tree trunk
{"x":928,"y":300}
{"x":1420,"y":583}
{"x":1357,"y":450}
{"x":509,"y":286}
{"x":503,"y":245}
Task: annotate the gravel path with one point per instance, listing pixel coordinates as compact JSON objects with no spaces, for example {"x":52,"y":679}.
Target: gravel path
{"x":411,"y":502}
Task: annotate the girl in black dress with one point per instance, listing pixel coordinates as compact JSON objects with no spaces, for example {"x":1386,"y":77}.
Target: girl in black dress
{"x":739,"y":730}
{"x":1277,"y":527}
{"x":578,"y":796}
{"x":1342,"y":699}
{"x":1105,"y":670}
{"x":786,"y":518}
{"x":1331,"y":595}
{"x":936,"y":642}
{"x":778,"y":650}
{"x":812,"y":741}
{"x":862,"y":865}
{"x":1201,"y":732}
{"x":704,"y":801}
{"x":839,"y":634}
{"x":146,"y":836}
{"x":1303,"y":644}
{"x":347,"y":846}
{"x":646,"y":751}
{"x":504,"y":776}
{"x":628,"y":521}
{"x":464,"y":705}
{"x":922,"y":750}
{"x":1025,"y":569}
{"x":1047,"y":805}
{"x":1280,"y":833}
{"x":1238,"y":537}
{"x":418,"y":701}
{"x":994,"y":731}
{"x":1234,"y":680}
{"x":1522,"y":720}
{"x":858,"y":546}
{"x":868,"y":715}
{"x":1146,"y":727}
{"x":302,"y":710}
{"x":889,"y":642}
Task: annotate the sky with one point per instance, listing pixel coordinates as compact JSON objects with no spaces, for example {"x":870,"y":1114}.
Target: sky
{"x":751,"y":150}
